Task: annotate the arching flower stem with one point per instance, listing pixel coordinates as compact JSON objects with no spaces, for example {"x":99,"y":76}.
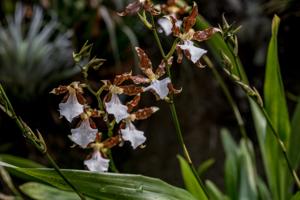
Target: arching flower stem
{"x":172,"y":106}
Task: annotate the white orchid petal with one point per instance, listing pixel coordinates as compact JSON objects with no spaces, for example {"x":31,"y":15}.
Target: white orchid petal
{"x":160,"y":87}
{"x":116,"y":108}
{"x":97,"y":163}
{"x":134,"y":136}
{"x":71,"y":108}
{"x":195,"y":52}
{"x":84,"y":134}
{"x":166,"y":24}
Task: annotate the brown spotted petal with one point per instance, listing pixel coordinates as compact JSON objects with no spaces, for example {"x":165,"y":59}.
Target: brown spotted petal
{"x":160,"y":71}
{"x":179,"y":54}
{"x":138,"y":79}
{"x":132,"y":8}
{"x":59,"y":90}
{"x":149,"y":7}
{"x":133,"y":103}
{"x":145,"y":63}
{"x":131,"y":89}
{"x":189,"y":22}
{"x":119,"y":79}
{"x":175,"y":27}
{"x":144,"y":113}
{"x":173,"y":90}
{"x":205,"y":34}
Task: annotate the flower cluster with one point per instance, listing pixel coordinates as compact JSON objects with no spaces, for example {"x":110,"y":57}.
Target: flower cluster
{"x":118,"y":99}
{"x":171,"y":23}
{"x":118,"y":114}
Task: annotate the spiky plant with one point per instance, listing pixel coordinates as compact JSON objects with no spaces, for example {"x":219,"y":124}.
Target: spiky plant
{"x":33,"y":53}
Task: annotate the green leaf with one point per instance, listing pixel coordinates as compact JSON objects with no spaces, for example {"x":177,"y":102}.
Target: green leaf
{"x":214,"y":192}
{"x":18,"y":161}
{"x":296,"y":196}
{"x":274,"y":94}
{"x":293,"y":149}
{"x":263,"y":191}
{"x":205,"y":166}
{"x":107,"y":186}
{"x":190,"y":180}
{"x":22,"y":162}
{"x":39,"y":191}
{"x":275,"y":105}
{"x":231,"y":165}
{"x":247,"y":181}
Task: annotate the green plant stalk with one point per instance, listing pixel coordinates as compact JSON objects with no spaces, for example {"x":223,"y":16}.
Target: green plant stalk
{"x":26,"y":132}
{"x":57,"y":169}
{"x":227,"y":94}
{"x":172,"y":104}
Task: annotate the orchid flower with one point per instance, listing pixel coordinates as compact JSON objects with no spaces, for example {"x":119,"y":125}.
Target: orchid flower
{"x":159,"y":87}
{"x":134,"y":136}
{"x":130,"y":133}
{"x":97,"y":163}
{"x":166,"y":24}
{"x":138,"y":5}
{"x":116,"y":108}
{"x":187,"y":35}
{"x":114,"y":105}
{"x":71,"y":108}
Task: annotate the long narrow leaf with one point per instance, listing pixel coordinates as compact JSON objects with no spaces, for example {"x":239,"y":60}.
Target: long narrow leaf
{"x":107,"y":186}
{"x":276,"y":107}
{"x":39,"y":191}
{"x":190,"y":180}
{"x":293,"y":150}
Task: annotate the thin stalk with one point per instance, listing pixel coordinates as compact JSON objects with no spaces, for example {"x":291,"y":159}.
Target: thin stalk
{"x":172,"y":105}
{"x":227,"y":94}
{"x":234,"y":59}
{"x":57,"y":169}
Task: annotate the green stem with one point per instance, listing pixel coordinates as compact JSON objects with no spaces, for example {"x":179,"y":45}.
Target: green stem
{"x":172,"y":105}
{"x":112,"y":164}
{"x":227,"y":94}
{"x":162,"y":52}
{"x":57,"y":169}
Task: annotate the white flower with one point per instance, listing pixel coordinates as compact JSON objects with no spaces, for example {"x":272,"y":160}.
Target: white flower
{"x":71,"y":108}
{"x":160,"y":87}
{"x":134,"y":136}
{"x":115,"y":107}
{"x":97,"y":163}
{"x":84,"y":134}
{"x":195,"y":52}
{"x":166,"y":24}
